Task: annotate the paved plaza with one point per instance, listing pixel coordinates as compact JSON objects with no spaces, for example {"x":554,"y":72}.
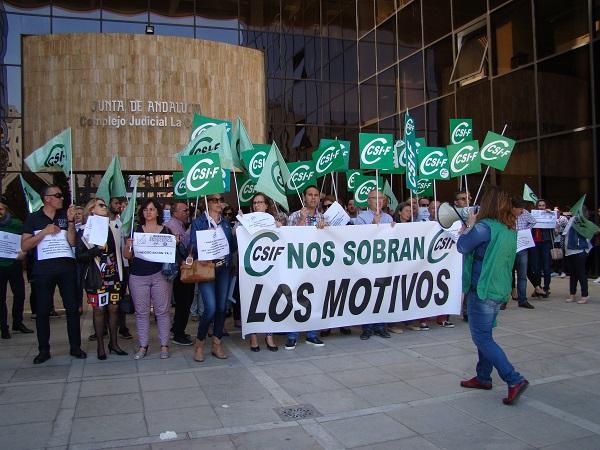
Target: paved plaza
{"x":398,"y":393}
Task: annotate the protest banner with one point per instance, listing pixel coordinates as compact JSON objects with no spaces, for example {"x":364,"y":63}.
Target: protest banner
{"x":544,"y":219}
{"x":54,"y":246}
{"x":155,"y":247}
{"x":96,"y":230}
{"x":303,"y":278}
{"x":461,"y":130}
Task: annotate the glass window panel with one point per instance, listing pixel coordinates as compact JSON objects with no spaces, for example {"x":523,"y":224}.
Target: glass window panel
{"x":563,"y":184}
{"x":386,"y":43}
{"x":312,"y":57}
{"x":313,"y":98}
{"x":351,"y":106}
{"x":297,"y":107}
{"x":28,"y":6}
{"x":76,"y":8}
{"x":332,"y":18}
{"x":301,"y":16}
{"x":109,"y":26}
{"x":383,"y":10}
{"x":514,"y":103}
{"x":264,"y":15}
{"x":390,"y":125}
{"x":387,"y":94}
{"x":348,"y":19}
{"x":496,"y":3}
{"x":334,"y":69}
{"x":222,"y":14}
{"x":60,"y":25}
{"x":20,"y":24}
{"x":409,"y":29}
{"x":337,"y":103}
{"x":217,"y":34}
{"x":560,"y":25}
{"x":472,"y":52}
{"x":473,"y":101}
{"x":350,"y":65}
{"x":366,"y":50}
{"x":368,"y":101}
{"x":174,"y":30}
{"x":438,"y":67}
{"x":179,"y":12}
{"x":512,"y":37}
{"x":136,"y":10}
{"x":467,"y":10}
{"x":332,"y":48}
{"x":596,"y":15}
{"x":437,"y":21}
{"x":522,"y":169}
{"x":439,"y":113}
{"x":410,"y":79}
{"x":597,"y":76}
{"x":13,"y":81}
{"x":365,"y":10}
{"x":564,"y":91}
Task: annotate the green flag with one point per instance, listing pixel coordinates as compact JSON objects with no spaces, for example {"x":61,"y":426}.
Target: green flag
{"x":461,"y":130}
{"x":399,"y":157}
{"x":345,"y":145}
{"x":226,"y":175}
{"x":376,"y":151}
{"x":202,"y":175}
{"x":496,"y":150}
{"x":212,"y":140}
{"x":302,"y":175}
{"x":254,"y":159}
{"x":179,"y":191}
{"x":464,"y":158}
{"x":364,"y":185}
{"x":202,"y":123}
{"x":240,"y":142}
{"x":112,"y":183}
{"x":433,"y":163}
{"x":246,"y":189}
{"x":34,"y":201}
{"x":128,"y":216}
{"x":528,"y":194}
{"x":328,"y":157}
{"x":56,"y":154}
{"x":424,"y":188}
{"x":411,"y":152}
{"x":582,"y":225}
{"x":392,"y":200}
{"x":351,"y":179}
{"x":274,"y":177}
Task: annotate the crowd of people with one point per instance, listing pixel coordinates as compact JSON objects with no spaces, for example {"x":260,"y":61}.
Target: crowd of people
{"x":114,"y":281}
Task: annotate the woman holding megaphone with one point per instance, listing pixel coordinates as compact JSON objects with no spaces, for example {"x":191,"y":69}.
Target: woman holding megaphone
{"x":489,"y":242}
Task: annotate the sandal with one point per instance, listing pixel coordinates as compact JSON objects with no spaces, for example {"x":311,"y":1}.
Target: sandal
{"x":164,"y":354}
{"x":141,"y":353}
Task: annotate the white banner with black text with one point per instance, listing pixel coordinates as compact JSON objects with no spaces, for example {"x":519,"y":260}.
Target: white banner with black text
{"x":304,"y":278}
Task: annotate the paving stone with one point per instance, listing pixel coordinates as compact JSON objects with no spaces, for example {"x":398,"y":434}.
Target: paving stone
{"x":47,"y":391}
{"x":309,"y":383}
{"x":25,"y":436}
{"x":41,"y":373}
{"x":366,"y":430}
{"x":107,"y":404}
{"x":478,"y":436}
{"x":28,"y":412}
{"x":412,"y":443}
{"x":110,"y":367}
{"x":331,"y":402}
{"x":109,"y":386}
{"x":206,"y":443}
{"x":339,"y":363}
{"x":168,"y":381}
{"x":290,"y":369}
{"x":586,"y":443}
{"x":220,"y":394}
{"x":438,"y":385}
{"x":363,"y":377}
{"x":389,"y":393}
{"x":247,"y":413}
{"x":108,"y":428}
{"x":182,"y":419}
{"x":174,"y":398}
{"x":432,"y":418}
{"x":291,"y":438}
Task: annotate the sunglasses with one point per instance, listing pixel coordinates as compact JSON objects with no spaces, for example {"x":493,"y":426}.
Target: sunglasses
{"x":327,"y":206}
{"x":424,"y":204}
{"x":217,"y":200}
{"x":56,"y":195}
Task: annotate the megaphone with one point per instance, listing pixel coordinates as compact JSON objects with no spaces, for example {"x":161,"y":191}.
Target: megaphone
{"x":447,"y":214}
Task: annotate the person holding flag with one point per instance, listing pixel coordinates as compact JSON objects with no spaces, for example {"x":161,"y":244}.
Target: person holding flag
{"x":51,"y":231}
{"x":214,"y":293}
{"x":11,"y":271}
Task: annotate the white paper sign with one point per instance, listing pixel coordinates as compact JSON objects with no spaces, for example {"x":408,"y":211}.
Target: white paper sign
{"x":258,"y":221}
{"x":544,"y":219}
{"x":96,"y":230}
{"x":336,"y":215}
{"x":54,"y":246}
{"x":10,"y":245}
{"x":155,"y":247}
{"x":212,"y":244}
{"x":524,"y":240}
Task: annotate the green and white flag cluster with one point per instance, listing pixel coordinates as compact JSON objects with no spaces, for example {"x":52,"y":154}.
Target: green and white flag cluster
{"x":274,"y":177}
{"x":56,"y":154}
{"x":582,"y":225}
{"x":128,"y":216}
{"x":34,"y":201}
{"x":112,"y":183}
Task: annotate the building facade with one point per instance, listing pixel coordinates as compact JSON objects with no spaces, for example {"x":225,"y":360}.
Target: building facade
{"x":336,"y":68}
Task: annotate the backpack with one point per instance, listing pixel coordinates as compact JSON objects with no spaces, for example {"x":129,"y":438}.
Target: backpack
{"x":576,"y":241}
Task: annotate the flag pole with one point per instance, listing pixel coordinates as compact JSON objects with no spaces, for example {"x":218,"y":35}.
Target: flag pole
{"x":133,"y":214}
{"x":377,"y":190}
{"x":467,"y":190}
{"x":334,"y":188}
{"x":237,"y":194}
{"x":486,"y":172}
{"x":434,"y":198}
{"x":196,"y":208}
{"x":72,"y":183}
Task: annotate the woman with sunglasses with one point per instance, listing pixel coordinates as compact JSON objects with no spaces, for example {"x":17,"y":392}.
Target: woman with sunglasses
{"x":214,"y":293}
{"x":147,"y":284}
{"x":261,"y":203}
{"x":103,"y":287}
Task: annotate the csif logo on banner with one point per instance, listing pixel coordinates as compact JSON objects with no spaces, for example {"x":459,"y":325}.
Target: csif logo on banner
{"x":411,"y":168}
{"x":255,"y":166}
{"x":299,"y":175}
{"x":461,"y":132}
{"x":400,"y":149}
{"x":378,"y":148}
{"x":409,"y":127}
{"x":361,"y":194}
{"x":179,"y":188}
{"x":496,"y":149}
{"x":247,"y":190}
{"x":463,"y":158}
{"x":434,"y":162}
{"x":261,"y":253}
{"x":439,"y":247}
{"x":201,"y":129}
{"x":200,"y":174}
{"x":204,"y":145}
{"x":327,"y":158}
{"x":277,"y":178}
{"x":56,"y":156}
{"x":352,"y":180}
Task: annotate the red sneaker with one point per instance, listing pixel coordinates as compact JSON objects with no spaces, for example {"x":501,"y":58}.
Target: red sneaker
{"x":514,"y":392}
{"x":474,"y":383}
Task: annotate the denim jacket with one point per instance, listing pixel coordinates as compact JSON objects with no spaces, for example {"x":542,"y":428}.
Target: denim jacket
{"x":201,"y":223}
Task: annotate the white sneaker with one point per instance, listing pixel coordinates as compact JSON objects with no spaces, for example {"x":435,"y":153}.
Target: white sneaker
{"x":563,"y":275}
{"x":597,"y":280}
{"x":554,"y":274}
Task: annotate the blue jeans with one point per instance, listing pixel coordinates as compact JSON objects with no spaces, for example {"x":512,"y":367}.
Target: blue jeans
{"x":521,"y":268}
{"x":540,"y":260}
{"x":214,"y":295}
{"x":373,"y":327}
{"x":309,"y":335}
{"x":482,"y":314}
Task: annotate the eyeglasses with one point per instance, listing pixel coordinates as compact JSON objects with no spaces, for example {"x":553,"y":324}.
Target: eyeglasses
{"x":424,"y":204}
{"x":217,"y":200}
{"x":55,"y":195}
{"x":327,"y":206}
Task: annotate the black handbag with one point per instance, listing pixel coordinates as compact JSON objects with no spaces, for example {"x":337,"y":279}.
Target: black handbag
{"x":92,"y":278}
